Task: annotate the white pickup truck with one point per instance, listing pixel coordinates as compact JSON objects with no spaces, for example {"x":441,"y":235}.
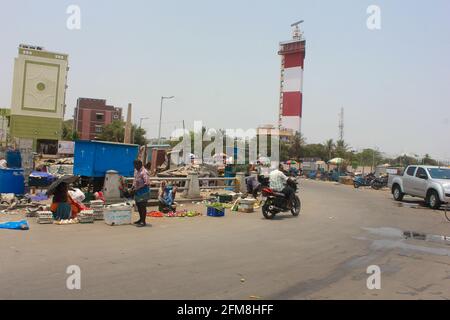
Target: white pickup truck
{"x":430,"y":183}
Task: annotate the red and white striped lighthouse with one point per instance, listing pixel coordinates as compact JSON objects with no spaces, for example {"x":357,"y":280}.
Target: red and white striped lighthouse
{"x":291,"y":85}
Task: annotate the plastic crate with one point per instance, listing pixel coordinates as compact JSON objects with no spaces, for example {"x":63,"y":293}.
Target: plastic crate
{"x":214,"y":212}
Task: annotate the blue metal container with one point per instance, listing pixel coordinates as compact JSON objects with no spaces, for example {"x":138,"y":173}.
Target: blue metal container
{"x":13,"y":159}
{"x":95,"y":158}
{"x":12,"y":181}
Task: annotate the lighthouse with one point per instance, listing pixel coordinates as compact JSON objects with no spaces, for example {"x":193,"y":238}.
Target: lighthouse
{"x":292,"y":54}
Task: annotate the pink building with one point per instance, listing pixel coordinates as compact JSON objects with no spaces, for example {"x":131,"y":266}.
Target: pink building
{"x":92,"y":115}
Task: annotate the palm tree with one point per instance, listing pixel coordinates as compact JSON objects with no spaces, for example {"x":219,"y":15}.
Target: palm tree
{"x":329,"y":148}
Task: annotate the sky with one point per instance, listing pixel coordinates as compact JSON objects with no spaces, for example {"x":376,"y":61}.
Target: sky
{"x":219,"y":59}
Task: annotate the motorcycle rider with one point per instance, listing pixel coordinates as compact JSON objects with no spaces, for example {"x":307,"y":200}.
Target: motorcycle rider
{"x":278,"y":183}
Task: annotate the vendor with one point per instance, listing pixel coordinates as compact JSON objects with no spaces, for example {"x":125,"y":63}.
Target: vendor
{"x":166,"y":197}
{"x":63,"y":206}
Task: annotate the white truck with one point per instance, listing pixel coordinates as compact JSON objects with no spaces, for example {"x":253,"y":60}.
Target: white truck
{"x":430,"y":183}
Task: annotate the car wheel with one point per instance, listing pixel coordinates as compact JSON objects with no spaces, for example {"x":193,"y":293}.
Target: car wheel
{"x":398,"y":194}
{"x":433,"y":200}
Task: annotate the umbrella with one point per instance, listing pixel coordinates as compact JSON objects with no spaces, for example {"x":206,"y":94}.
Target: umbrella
{"x":291,"y":162}
{"x":336,"y":161}
{"x":65,"y":179}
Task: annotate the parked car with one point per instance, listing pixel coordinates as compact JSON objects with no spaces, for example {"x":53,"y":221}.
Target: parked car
{"x":430,"y":183}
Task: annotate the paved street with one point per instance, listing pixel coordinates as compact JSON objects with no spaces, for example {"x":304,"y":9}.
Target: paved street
{"x":323,"y":254}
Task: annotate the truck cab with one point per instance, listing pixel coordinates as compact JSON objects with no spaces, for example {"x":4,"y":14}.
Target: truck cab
{"x":430,"y":183}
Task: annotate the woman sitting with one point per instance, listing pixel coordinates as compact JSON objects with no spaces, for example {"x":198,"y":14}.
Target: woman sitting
{"x":166,"y":197}
{"x":63,"y":206}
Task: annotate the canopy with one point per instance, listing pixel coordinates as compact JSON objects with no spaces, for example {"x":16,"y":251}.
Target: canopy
{"x":336,"y":161}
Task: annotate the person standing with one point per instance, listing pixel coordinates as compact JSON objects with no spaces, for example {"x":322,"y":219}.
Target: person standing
{"x":141,"y":191}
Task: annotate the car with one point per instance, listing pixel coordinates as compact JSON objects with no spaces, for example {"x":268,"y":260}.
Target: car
{"x":431,"y":183}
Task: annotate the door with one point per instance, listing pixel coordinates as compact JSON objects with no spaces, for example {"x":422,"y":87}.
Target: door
{"x":420,"y":183}
{"x":408,"y":178}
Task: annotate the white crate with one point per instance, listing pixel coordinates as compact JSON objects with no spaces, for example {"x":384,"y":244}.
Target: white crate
{"x":44,"y":217}
{"x":117,"y":215}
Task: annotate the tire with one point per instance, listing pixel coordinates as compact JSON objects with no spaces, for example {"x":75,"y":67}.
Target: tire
{"x":266,"y":212}
{"x":433,"y":200}
{"x":356,"y":185}
{"x":296,"y":207}
{"x":397,"y":193}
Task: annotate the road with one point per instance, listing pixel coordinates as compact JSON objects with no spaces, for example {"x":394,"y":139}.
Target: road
{"x":323,"y":254}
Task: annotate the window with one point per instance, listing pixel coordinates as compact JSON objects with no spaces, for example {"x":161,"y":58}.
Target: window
{"x":439,"y":173}
{"x":99,"y":116}
{"x":410,"y":171}
{"x":98,"y":129}
{"x":115,"y":116}
{"x":421,"y":172}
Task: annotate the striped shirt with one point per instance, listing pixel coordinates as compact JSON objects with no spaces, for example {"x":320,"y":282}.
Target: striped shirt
{"x":140,"y":179}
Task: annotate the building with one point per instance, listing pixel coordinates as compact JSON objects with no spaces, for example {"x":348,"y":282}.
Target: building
{"x":38,"y":97}
{"x":92,"y":115}
{"x":292,"y":54}
{"x":271,"y":130}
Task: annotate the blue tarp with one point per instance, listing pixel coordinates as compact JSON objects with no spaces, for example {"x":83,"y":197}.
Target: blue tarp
{"x":15,"y":225}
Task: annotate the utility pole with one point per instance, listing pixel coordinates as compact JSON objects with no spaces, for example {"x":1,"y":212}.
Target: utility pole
{"x":341,"y":125}
{"x":160,"y":117}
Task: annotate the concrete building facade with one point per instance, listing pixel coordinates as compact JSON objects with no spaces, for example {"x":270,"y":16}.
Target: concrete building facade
{"x":92,"y":115}
{"x":38,"y":97}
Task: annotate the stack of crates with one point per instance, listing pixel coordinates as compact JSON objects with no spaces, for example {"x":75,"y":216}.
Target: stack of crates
{"x":44,"y":217}
{"x":97,"y":207}
{"x":86,"y":216}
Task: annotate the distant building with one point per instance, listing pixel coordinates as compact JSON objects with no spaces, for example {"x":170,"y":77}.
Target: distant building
{"x":38,"y":97}
{"x":271,"y":130}
{"x":92,"y":115}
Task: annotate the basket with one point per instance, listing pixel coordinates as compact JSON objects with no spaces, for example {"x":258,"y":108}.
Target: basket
{"x":214,"y":212}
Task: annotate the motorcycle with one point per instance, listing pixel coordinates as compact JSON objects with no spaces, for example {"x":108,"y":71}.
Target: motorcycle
{"x":363,"y":181}
{"x":277,"y":202}
{"x":379,"y":183}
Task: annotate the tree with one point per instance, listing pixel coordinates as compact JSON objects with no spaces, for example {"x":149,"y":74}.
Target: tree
{"x":329,"y":148}
{"x":115,"y":132}
{"x":67,"y":131}
{"x":296,"y":146}
{"x":427,"y":160}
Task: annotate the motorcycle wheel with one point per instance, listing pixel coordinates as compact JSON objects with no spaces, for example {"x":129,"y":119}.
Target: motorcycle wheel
{"x":356,"y":185}
{"x":296,"y":206}
{"x":375,"y":186}
{"x":266,"y":212}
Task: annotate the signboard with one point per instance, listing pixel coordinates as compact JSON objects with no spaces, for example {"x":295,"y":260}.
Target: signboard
{"x":66,"y":147}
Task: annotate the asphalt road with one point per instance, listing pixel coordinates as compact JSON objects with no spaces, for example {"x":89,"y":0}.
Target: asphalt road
{"x":323,"y":254}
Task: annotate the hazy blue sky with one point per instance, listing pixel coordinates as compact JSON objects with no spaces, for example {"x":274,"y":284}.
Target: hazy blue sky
{"x":219,"y":58}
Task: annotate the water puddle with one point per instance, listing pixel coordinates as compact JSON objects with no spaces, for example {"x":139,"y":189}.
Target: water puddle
{"x":395,"y":238}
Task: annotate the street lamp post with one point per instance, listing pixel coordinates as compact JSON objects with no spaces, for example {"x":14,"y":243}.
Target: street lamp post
{"x":160,"y":117}
{"x":140,"y":122}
